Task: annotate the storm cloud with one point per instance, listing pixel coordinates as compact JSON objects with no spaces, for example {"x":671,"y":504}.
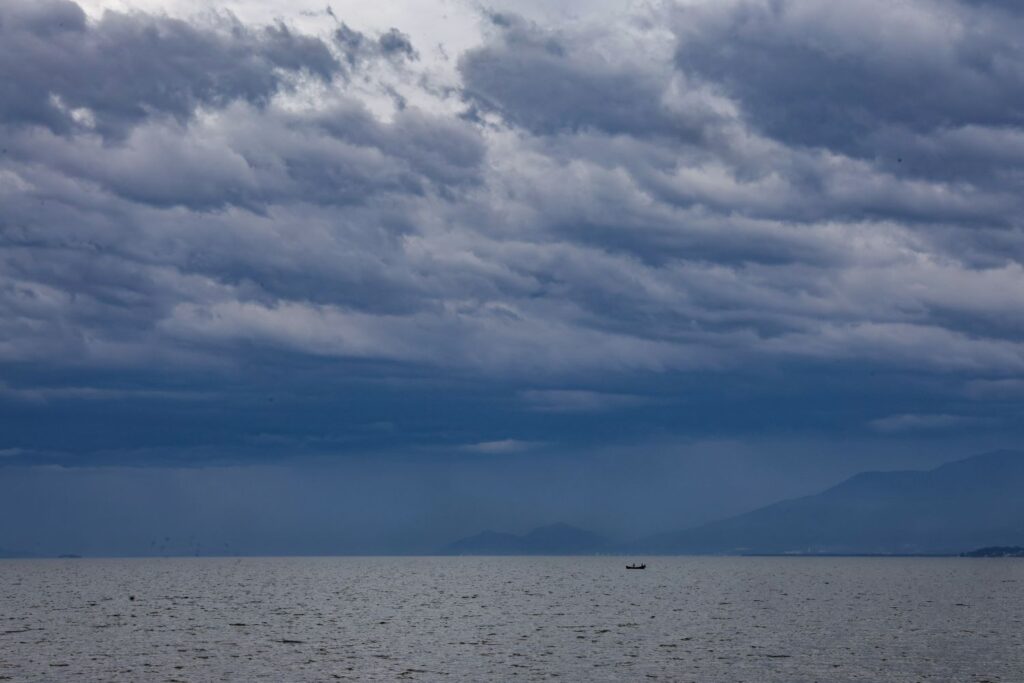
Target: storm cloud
{"x":747,"y":217}
{"x":63,"y":72}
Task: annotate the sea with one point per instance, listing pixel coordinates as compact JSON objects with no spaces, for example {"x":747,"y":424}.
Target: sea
{"x":730,"y":619}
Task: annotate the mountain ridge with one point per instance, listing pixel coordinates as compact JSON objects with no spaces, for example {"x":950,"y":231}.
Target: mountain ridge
{"x":959,"y":505}
{"x":966,"y":503}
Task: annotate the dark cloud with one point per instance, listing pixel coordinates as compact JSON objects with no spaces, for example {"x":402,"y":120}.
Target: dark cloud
{"x":394,"y":43}
{"x":859,"y":78}
{"x":738,"y":218}
{"x":67,"y":73}
{"x":353,"y":43}
{"x":358,"y":47}
{"x":549,"y":83}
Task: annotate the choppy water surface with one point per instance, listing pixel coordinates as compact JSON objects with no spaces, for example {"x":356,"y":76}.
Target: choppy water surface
{"x":580,"y":619}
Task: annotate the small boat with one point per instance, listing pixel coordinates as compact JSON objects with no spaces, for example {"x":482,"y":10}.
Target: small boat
{"x":636,"y":566}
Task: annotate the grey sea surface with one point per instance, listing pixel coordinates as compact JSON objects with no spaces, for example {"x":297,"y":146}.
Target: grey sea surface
{"x":496,"y":619}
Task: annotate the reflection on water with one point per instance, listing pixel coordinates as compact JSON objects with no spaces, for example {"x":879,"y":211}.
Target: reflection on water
{"x":581,"y":619}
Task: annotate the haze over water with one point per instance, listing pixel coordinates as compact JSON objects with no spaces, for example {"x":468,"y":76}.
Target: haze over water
{"x":427,"y":618}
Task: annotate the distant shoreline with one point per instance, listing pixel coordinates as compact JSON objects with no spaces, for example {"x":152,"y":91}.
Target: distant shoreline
{"x":508,"y":556}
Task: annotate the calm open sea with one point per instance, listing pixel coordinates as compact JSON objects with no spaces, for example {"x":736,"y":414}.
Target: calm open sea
{"x":484,"y":619}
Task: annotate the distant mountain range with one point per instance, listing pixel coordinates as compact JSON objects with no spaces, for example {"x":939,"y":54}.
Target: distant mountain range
{"x":554,"y":539}
{"x":965,"y":504}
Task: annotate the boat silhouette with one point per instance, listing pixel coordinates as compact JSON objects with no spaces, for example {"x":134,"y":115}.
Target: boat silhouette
{"x":636,"y":566}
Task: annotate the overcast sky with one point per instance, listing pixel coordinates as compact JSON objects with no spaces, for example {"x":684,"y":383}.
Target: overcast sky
{"x":392,"y":272}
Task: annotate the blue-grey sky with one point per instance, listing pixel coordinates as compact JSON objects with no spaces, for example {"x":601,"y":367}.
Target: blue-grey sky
{"x":281,"y":278}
